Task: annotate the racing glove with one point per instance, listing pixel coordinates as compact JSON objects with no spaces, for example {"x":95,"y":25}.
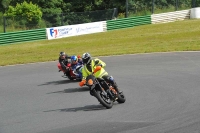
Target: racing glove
{"x":82,"y":83}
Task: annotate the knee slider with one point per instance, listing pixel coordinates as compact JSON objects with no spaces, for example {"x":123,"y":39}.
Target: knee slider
{"x":111,"y":79}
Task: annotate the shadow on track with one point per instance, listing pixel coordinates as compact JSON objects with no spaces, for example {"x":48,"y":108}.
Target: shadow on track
{"x":72,"y":90}
{"x":58,"y":82}
{"x":85,"y":108}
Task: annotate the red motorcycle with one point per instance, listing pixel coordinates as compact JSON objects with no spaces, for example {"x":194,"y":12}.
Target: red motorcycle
{"x":71,"y":75}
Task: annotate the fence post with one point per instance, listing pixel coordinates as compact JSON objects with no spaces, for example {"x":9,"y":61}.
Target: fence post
{"x":176,"y":5}
{"x":4,"y":24}
{"x":152,"y":7}
{"x":62,"y":21}
{"x":114,"y":13}
{"x":126,"y":15}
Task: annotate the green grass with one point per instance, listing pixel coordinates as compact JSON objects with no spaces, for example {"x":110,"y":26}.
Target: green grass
{"x":175,"y":36}
{"x":12,"y":29}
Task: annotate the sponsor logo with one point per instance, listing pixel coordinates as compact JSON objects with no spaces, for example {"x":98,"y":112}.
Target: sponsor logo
{"x":65,"y":31}
{"x":58,"y":32}
{"x":54,"y":32}
{"x":88,"y":28}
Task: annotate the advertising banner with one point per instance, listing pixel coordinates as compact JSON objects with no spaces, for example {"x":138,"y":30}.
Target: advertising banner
{"x":74,"y":30}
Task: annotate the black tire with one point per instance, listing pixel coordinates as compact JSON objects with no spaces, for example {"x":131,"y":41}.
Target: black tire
{"x":79,"y":79}
{"x":121,"y":98}
{"x":106,"y":102}
{"x":70,"y":78}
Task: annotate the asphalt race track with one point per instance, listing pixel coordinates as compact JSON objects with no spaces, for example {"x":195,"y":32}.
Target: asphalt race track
{"x":162,"y":91}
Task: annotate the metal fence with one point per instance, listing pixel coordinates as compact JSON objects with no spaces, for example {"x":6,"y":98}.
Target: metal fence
{"x":10,"y":24}
{"x":139,"y":8}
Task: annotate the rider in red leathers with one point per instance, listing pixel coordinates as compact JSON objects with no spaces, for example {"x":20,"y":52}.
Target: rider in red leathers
{"x":64,"y":60}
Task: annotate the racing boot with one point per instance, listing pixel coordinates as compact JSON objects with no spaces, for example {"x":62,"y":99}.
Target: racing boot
{"x":114,"y":84}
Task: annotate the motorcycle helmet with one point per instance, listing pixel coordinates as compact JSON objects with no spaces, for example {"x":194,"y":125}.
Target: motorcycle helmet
{"x":62,"y":55}
{"x":86,"y":58}
{"x":74,"y":59}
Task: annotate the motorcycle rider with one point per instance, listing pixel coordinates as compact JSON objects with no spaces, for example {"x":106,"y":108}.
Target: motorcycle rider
{"x":89,"y":65}
{"x":64,"y":60}
{"x":76,"y":65}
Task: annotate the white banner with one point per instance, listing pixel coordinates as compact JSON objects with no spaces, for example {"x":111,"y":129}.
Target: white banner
{"x":74,"y":30}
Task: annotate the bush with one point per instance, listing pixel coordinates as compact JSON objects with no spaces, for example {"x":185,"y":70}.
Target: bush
{"x":25,"y":14}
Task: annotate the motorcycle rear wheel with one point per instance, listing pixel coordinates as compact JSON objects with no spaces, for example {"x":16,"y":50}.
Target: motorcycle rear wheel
{"x":105,"y":101}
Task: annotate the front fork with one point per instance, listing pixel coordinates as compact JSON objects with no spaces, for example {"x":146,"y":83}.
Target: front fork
{"x":102,"y":89}
{"x":108,"y":90}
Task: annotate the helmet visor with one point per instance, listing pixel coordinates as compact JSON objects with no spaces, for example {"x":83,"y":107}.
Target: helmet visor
{"x":87,"y":60}
{"x":62,"y":56}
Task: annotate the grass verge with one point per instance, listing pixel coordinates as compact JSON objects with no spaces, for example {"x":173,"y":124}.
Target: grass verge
{"x":174,"y":36}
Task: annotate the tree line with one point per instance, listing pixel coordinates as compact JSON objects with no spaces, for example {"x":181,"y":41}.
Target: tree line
{"x":59,"y":12}
{"x":58,"y":6}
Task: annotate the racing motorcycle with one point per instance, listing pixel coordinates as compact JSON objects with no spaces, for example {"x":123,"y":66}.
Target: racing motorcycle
{"x":72,"y":74}
{"x":105,"y":93}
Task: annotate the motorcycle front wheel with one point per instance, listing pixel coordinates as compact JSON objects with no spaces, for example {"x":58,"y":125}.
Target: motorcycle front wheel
{"x":104,"y":100}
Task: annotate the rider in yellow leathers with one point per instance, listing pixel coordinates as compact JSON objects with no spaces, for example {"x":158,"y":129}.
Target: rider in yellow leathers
{"x":89,"y":66}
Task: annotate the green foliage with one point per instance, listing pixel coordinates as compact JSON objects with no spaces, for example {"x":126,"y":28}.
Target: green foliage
{"x":86,"y":17}
{"x":142,"y":7}
{"x":1,"y":18}
{"x":4,"y":5}
{"x":25,"y":14}
{"x":51,"y":10}
{"x":195,"y":3}
{"x":64,"y":12}
{"x":121,"y":15}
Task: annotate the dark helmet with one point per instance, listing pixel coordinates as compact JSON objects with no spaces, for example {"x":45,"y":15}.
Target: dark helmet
{"x":62,"y":54}
{"x":86,"y":58}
